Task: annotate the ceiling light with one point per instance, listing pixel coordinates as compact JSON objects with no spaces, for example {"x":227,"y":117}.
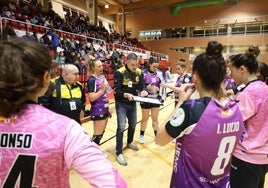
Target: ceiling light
{"x":106,"y":6}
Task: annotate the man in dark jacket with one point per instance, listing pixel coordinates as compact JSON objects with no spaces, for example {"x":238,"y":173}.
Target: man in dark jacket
{"x":128,"y":82}
{"x":66,"y":95}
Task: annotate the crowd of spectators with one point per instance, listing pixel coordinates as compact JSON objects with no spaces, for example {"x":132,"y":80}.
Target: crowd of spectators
{"x":34,"y":13}
{"x":96,"y":42}
{"x":62,"y":49}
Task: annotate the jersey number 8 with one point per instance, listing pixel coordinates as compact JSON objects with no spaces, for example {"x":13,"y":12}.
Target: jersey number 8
{"x":224,"y":154}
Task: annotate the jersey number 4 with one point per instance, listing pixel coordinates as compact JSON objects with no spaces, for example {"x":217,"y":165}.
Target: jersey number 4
{"x":23,"y":167}
{"x":224,"y":154}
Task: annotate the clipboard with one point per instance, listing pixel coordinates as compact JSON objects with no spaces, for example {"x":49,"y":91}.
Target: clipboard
{"x":146,"y":99}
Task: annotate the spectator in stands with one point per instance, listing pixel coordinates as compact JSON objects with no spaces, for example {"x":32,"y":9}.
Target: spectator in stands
{"x":140,"y":61}
{"x":5,"y":12}
{"x":8,"y":32}
{"x":65,"y":45}
{"x":47,"y":39}
{"x":25,"y":10}
{"x":12,"y":5}
{"x":47,"y":21}
{"x":41,"y":41}
{"x":89,"y":55}
{"x":72,"y":43}
{"x":72,"y":58}
{"x":40,"y":19}
{"x":54,"y":39}
{"x":121,"y":60}
{"x":27,"y":35}
{"x":128,"y":80}
{"x":34,"y":37}
{"x":50,"y":144}
{"x":4,"y":3}
{"x":34,"y":20}
{"x":98,"y":89}
{"x":115,"y":59}
{"x":60,"y":59}
{"x":81,"y":64}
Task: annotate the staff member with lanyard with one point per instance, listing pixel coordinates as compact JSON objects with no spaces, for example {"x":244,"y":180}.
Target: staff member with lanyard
{"x":128,"y":80}
{"x":66,"y":95}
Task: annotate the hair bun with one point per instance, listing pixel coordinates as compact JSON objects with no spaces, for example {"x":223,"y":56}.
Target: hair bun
{"x":253,"y":49}
{"x":214,"y":49}
{"x":153,"y":60}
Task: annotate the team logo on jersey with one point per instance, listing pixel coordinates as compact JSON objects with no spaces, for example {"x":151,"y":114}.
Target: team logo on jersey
{"x":177,"y":118}
{"x":137,"y":79}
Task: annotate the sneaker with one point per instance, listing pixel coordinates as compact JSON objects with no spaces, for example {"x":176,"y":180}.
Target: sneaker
{"x":121,"y":160}
{"x":141,"y":139}
{"x":133,"y":146}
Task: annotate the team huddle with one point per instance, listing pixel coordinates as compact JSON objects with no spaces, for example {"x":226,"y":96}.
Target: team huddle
{"x":219,"y":122}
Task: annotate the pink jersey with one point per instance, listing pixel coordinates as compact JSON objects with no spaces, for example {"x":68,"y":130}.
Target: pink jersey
{"x":253,"y":100}
{"x":38,"y":148}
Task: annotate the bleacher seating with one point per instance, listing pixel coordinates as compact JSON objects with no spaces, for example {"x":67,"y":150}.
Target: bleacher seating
{"x":42,"y":30}
{"x":22,"y":26}
{"x":14,"y":24}
{"x":36,"y":29}
{"x":108,"y":70}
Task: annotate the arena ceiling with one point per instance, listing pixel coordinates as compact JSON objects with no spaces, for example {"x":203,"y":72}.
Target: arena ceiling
{"x":116,"y":6}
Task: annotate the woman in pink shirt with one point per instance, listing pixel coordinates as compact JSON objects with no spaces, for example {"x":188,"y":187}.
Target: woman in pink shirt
{"x":250,"y":158}
{"x":38,"y":146}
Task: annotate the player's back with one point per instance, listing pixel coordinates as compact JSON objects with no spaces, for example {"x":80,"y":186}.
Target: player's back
{"x":203,"y":153}
{"x":32,"y":149}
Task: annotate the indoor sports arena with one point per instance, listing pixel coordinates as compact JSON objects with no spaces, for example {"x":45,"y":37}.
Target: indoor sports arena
{"x":166,"y":93}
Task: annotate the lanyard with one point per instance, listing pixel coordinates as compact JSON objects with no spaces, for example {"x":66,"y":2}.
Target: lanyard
{"x":70,"y":91}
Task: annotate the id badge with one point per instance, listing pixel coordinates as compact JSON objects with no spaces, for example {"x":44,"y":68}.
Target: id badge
{"x":72,"y":105}
{"x":130,"y":84}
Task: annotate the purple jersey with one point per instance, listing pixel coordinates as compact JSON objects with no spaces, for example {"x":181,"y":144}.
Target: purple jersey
{"x":184,"y":79}
{"x":206,"y":133}
{"x":38,"y":148}
{"x":154,"y":79}
{"x":100,"y":105}
{"x":229,"y":83}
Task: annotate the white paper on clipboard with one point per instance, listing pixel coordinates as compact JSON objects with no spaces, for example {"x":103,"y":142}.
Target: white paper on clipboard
{"x":146,"y":99}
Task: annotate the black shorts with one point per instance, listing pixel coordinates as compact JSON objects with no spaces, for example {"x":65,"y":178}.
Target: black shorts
{"x":145,"y":105}
{"x":99,"y":117}
{"x":244,"y":174}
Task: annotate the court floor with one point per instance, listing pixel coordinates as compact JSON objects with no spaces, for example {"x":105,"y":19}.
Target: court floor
{"x":150,"y":167}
